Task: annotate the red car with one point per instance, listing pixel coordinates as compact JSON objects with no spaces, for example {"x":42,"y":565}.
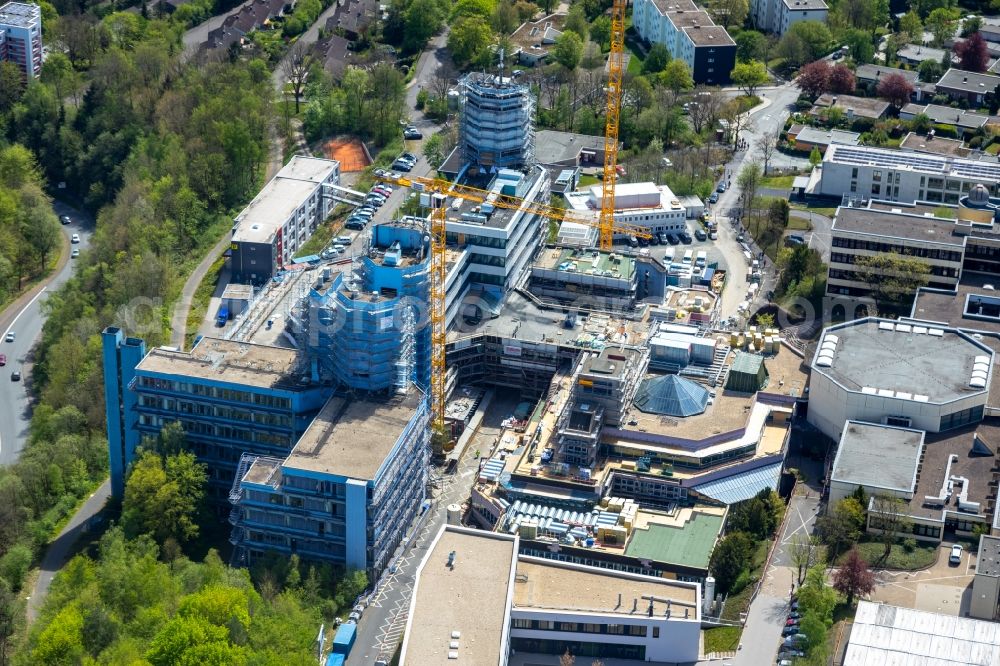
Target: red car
{"x":3,"y":360}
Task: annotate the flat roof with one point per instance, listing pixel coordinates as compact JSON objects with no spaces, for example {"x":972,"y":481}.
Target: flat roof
{"x":689,"y":545}
{"x":551,"y":585}
{"x":554,"y":146}
{"x":20,"y":14}
{"x":937,"y":145}
{"x":988,"y":562}
{"x":948,"y":115}
{"x":281,"y":197}
{"x":878,"y":456}
{"x":879,"y":355}
{"x":553,"y":258}
{"x":958,"y":79}
{"x":970,"y":461}
{"x":891,"y":635}
{"x":352,"y":438}
{"x":609,"y":362}
{"x":816,"y":135}
{"x":903,"y":224}
{"x":870,"y":107}
{"x":264,"y":471}
{"x":802,"y":5}
{"x":472,"y":597}
{"x":949,"y":307}
{"x":228,"y":362}
{"x":883,"y":158}
{"x":921,"y":53}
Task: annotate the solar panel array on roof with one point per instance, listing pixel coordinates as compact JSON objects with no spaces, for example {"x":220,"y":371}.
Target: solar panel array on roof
{"x":890,"y":159}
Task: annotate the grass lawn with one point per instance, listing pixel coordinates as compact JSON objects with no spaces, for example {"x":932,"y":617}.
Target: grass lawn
{"x":634,"y":63}
{"x":993,"y":149}
{"x":921,"y":557}
{"x":202,"y":297}
{"x":777,"y":182}
{"x":799,"y":223}
{"x":587,"y":181}
{"x":828,"y":211}
{"x":722,"y":639}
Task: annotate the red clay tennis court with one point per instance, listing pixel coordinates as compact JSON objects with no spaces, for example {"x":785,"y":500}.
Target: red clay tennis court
{"x":349,"y":152}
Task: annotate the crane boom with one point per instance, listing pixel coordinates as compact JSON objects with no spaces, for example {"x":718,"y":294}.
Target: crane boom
{"x":613,"y":112}
{"x":439,"y":190}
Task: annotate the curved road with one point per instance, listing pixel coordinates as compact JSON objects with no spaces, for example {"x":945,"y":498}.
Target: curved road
{"x":25,"y":320}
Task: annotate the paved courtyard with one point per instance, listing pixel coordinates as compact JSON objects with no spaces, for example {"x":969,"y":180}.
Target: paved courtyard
{"x":942,"y":588}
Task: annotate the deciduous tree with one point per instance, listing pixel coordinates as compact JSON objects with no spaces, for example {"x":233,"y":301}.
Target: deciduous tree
{"x":163,"y":497}
{"x":656,"y":59}
{"x":469,"y":41}
{"x":814,"y":78}
{"x":854,"y":578}
{"x":728,"y":13}
{"x":806,"y":552}
{"x":731,"y":557}
{"x":750,"y":45}
{"x":749,"y":76}
{"x":568,"y":50}
{"x":841,"y":80}
{"x":895,"y":89}
{"x":892,"y":278}
{"x":972,"y":53}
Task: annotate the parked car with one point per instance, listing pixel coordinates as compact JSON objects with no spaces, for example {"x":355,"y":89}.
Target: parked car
{"x":412,"y":133}
{"x":794,"y":239}
{"x":956,"y":554}
{"x":673,"y":239}
{"x":795,"y":639}
{"x":75,"y":238}
{"x":790,"y":630}
{"x":792,"y":621}
{"x":384,"y":190}
{"x":355,"y":224}
{"x":402,"y":166}
{"x":663,"y":238}
{"x":3,"y":360}
{"x":700,"y":235}
{"x":343,"y":240}
{"x":410,"y":157}
{"x":714,"y":235}
{"x":721,"y":188}
{"x":686,"y":238}
{"x":789,"y":653}
{"x":714,"y":198}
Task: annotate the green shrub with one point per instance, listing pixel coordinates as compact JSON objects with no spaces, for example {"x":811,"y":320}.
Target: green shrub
{"x":14,"y":565}
{"x":947,"y":131}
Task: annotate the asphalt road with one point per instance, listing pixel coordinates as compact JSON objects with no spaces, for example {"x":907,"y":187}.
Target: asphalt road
{"x":26,"y":324}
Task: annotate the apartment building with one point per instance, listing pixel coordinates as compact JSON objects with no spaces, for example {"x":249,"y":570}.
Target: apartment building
{"x":281,"y":218}
{"x":689,"y":35}
{"x":892,"y":175}
{"x":21,"y":37}
{"x":778,"y":15}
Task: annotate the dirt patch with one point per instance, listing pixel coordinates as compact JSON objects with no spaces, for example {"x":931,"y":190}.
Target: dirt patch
{"x":349,"y":151}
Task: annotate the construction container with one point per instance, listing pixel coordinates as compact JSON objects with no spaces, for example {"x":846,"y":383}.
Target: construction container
{"x":343,"y":640}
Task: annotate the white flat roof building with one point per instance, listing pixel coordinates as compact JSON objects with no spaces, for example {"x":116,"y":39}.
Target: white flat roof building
{"x":927,"y":377}
{"x":643,"y":204}
{"x":282,"y":217}
{"x":476,"y":601}
{"x":879,"y":458}
{"x":890,"y":636}
{"x":21,"y":36}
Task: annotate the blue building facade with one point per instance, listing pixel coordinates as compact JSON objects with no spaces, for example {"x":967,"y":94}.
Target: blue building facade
{"x":230,"y":398}
{"x":348,"y":490}
{"x":368,"y":329}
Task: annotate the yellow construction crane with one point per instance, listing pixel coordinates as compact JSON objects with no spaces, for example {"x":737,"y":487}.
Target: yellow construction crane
{"x":438,"y":191}
{"x":613,"y":112}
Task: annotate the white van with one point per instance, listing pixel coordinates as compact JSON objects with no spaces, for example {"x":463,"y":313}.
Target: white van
{"x":701,"y":259}
{"x":668,"y":256}
{"x":688,"y":256}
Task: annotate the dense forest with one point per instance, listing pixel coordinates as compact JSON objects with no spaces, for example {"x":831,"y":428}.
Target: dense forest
{"x":163,"y":152}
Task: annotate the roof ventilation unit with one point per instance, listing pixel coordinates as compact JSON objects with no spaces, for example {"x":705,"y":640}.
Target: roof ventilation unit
{"x":824,"y":361}
{"x":903,"y":328}
{"x":885,"y":326}
{"x":936,"y":332}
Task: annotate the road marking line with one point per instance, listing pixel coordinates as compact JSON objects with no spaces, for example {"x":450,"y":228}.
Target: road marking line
{"x":30,"y":303}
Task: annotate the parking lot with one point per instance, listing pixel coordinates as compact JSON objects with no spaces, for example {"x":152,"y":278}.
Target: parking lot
{"x":942,"y":588}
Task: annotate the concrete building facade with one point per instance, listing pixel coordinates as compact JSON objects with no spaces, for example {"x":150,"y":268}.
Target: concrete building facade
{"x":778,"y":15}
{"x":893,"y":175}
{"x":21,"y":37}
{"x":281,"y":218}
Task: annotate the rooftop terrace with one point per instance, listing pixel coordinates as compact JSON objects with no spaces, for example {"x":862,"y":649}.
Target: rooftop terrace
{"x":353,"y":438}
{"x":562,"y":258}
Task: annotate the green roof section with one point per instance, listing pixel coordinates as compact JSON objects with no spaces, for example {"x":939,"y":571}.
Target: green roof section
{"x":748,"y":374}
{"x":622,"y":264}
{"x":689,"y":546}
{"x":749,"y":363}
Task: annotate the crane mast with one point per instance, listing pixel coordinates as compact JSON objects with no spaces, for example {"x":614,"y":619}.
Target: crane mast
{"x":613,"y":113}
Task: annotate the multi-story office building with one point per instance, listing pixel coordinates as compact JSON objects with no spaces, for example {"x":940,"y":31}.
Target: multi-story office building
{"x":778,"y":15}
{"x":367,"y":328}
{"x":230,"y":397}
{"x":21,"y":37}
{"x":477,"y":598}
{"x":281,"y":218}
{"x":892,"y":175}
{"x":490,"y":247}
{"x":345,"y":493}
{"x":497,"y":122}
{"x":689,"y":35}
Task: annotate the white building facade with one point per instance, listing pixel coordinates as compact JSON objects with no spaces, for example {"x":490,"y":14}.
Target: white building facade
{"x":641,"y":204}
